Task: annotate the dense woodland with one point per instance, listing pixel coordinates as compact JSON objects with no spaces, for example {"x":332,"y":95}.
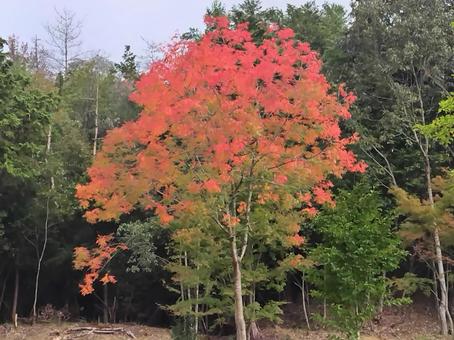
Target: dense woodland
{"x":279,"y":156}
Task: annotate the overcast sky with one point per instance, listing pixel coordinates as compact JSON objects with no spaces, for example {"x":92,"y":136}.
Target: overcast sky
{"x":108,"y":25}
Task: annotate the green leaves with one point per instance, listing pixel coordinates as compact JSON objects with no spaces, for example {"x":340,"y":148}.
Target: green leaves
{"x":24,"y":117}
{"x":442,"y":127}
{"x":140,"y":238}
{"x":398,"y":55}
{"x":128,"y":66}
{"x":357,"y":248}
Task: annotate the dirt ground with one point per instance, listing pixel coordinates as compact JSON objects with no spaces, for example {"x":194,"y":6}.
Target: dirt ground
{"x":51,"y":331}
{"x":416,"y":322}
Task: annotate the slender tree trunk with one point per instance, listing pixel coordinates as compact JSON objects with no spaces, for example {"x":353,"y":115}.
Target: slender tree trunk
{"x":40,"y":259}
{"x":435,"y":287}
{"x":254,"y":331}
{"x":105,"y":318}
{"x":303,"y":296}
{"x":66,"y":54}
{"x":49,"y":142}
{"x":240,"y":323}
{"x":382,"y":297}
{"x":196,"y":322}
{"x":451,"y":325}
{"x":46,"y":227}
{"x":15,"y":298}
{"x":188,"y":293}
{"x":95,"y":139}
{"x":324,"y":299}
{"x":443,"y":305}
{"x":2,"y":295}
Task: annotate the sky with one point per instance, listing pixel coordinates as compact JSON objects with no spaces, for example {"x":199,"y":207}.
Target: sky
{"x":109,"y":25}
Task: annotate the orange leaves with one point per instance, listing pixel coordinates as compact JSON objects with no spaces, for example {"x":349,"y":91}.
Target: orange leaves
{"x":296,"y":240}
{"x":280,"y":179}
{"x":310,"y":211}
{"x":216,"y":22}
{"x":304,"y":198}
{"x":211,"y":106}
{"x":107,"y":278}
{"x":298,"y":262}
{"x":242,"y":206}
{"x":211,"y":186}
{"x":322,"y":196}
{"x":81,"y":258}
{"x":267,"y":195}
{"x":193,"y":188}
{"x":285,"y":34}
{"x":348,"y":97}
{"x":94,"y":260}
{"x":103,"y":240}
{"x":163,"y":215}
{"x":157,"y":125}
{"x":86,"y":287}
{"x":230,"y":221}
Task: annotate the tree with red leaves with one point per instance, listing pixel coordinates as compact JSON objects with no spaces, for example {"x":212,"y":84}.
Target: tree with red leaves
{"x":227,"y":128}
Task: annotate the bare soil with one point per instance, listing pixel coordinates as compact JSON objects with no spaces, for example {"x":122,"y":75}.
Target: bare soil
{"x":52,"y":331}
{"x":416,"y":322}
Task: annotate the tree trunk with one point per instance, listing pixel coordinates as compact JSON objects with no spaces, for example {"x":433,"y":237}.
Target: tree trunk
{"x":106,"y":304}
{"x":15,"y":297}
{"x":39,"y":255}
{"x":382,"y":297}
{"x":40,"y":259}
{"x":66,"y":53}
{"x":196,"y":322}
{"x":254,"y":331}
{"x":95,"y":139}
{"x":443,"y":305}
{"x":435,"y":287}
{"x":303,"y":297}
{"x":240,"y":323}
{"x":2,"y":295}
{"x":324,"y":299}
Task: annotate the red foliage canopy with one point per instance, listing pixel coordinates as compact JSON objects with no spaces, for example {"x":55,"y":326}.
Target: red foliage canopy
{"x":215,"y":110}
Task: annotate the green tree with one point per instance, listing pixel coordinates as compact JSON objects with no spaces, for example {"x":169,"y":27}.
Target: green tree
{"x":442,"y":128}
{"x":357,"y":247}
{"x":324,"y":29}
{"x":258,"y":19}
{"x":399,"y":58}
{"x":95,"y":97}
{"x":128,"y":65}
{"x":42,"y":156}
{"x":25,"y":115}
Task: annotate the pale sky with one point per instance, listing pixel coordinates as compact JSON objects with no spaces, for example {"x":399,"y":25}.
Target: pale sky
{"x":108,"y":25}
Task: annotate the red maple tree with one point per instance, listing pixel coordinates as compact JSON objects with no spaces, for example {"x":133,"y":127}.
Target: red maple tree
{"x":226,"y":125}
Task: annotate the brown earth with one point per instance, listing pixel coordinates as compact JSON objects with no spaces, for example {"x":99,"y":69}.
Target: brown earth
{"x":416,"y":322}
{"x":51,"y":331}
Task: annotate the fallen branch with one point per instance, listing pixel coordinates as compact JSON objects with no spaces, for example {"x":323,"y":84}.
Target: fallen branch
{"x":78,"y":332}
